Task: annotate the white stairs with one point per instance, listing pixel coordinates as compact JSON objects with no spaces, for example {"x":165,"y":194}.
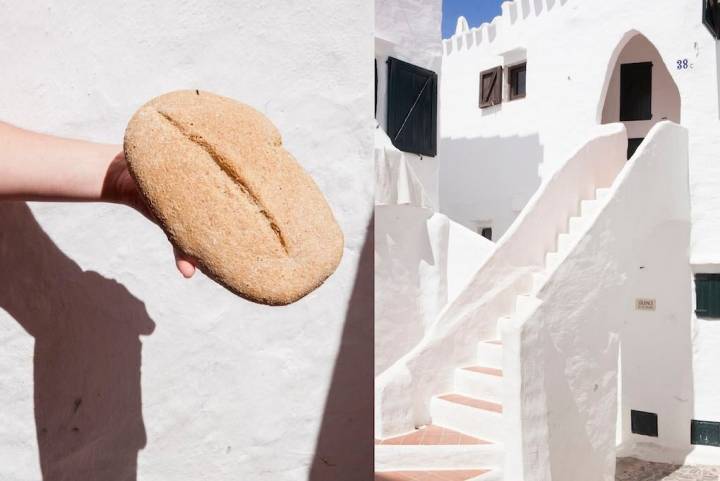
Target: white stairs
{"x":472,"y":413}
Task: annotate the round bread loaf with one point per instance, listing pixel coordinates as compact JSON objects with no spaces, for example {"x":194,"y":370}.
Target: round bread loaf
{"x":216,"y":176}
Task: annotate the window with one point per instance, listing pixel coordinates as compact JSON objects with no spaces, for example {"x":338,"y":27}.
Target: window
{"x":486,"y":232}
{"x":412,"y":108}
{"x":644,"y":423}
{"x":711,"y":17}
{"x":491,"y":87}
{"x":636,"y":91}
{"x":633,"y":145}
{"x":707,"y":295}
{"x":516,"y":81}
{"x":706,"y":433}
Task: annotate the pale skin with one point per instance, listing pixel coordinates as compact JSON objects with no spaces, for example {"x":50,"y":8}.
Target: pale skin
{"x":41,"y":167}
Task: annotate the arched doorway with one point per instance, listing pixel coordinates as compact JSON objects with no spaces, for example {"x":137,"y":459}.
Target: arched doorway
{"x":640,"y":91}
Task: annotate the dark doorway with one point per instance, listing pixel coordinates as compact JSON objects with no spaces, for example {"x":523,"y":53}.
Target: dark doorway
{"x":636,"y":91}
{"x":633,"y":145}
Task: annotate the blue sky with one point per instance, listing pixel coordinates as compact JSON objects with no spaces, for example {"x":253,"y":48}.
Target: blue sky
{"x":476,"y":12}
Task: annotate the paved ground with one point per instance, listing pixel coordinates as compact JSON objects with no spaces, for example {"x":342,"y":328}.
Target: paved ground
{"x":631,"y":469}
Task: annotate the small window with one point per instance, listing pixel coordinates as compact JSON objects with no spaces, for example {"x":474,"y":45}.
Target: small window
{"x":516,"y":81}
{"x":412,"y":108}
{"x":711,"y":17}
{"x":486,"y":232}
{"x":707,"y":295}
{"x":644,"y":423}
{"x":491,"y":87}
{"x":706,"y":433}
{"x":633,"y":145}
{"x":636,"y":91}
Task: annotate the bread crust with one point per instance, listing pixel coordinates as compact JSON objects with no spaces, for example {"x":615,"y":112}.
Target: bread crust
{"x":215,"y":174}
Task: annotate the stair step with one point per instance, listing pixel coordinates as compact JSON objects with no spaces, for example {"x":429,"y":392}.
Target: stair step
{"x":436,"y":475}
{"x":432,"y":435}
{"x":587,"y":207}
{"x":476,"y":417}
{"x":480,"y":382}
{"x":602,"y":193}
{"x":563,"y":242}
{"x":434,"y":447}
{"x":575,"y":224}
{"x":490,"y":354}
{"x":552,"y":260}
{"x":524,"y":303}
{"x":538,"y":281}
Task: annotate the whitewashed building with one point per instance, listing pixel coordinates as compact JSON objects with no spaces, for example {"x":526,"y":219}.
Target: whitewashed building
{"x":584,"y":138}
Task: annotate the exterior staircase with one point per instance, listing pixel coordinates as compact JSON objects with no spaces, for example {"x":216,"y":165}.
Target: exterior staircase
{"x":465,"y":440}
{"x":462,"y":378}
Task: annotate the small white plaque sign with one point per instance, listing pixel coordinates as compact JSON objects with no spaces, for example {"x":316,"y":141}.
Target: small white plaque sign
{"x":644,"y":304}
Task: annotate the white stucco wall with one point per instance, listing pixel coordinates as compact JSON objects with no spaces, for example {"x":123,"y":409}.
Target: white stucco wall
{"x":566,"y":350}
{"x":115,"y":367}
{"x":411,"y":277}
{"x":412,"y":240}
{"x":466,"y":252}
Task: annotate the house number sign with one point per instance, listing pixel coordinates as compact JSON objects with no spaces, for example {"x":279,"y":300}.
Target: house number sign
{"x":684,"y":64}
{"x":644,"y":304}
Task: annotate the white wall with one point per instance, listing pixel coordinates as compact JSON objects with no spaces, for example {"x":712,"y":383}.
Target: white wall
{"x":423,"y":260}
{"x":411,"y":238}
{"x":166,"y":378}
{"x":466,"y":253}
{"x":566,"y":351}
{"x":409,"y":30}
{"x":665,"y":102}
{"x":411,"y":277}
{"x":486,"y":181}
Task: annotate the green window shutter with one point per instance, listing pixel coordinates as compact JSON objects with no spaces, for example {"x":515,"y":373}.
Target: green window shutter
{"x":412,"y":108}
{"x":705,"y":433}
{"x":707,"y":295}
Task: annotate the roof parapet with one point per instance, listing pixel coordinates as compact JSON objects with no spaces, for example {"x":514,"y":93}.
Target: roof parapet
{"x":513,"y":12}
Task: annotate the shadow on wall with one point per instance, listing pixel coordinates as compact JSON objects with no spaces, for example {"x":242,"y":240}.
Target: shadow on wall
{"x":344,"y":448}
{"x":408,"y":296}
{"x":488,"y":181}
{"x":717,"y":66}
{"x":88,"y":408}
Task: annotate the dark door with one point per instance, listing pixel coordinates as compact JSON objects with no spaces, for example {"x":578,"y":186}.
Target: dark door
{"x":636,"y":91}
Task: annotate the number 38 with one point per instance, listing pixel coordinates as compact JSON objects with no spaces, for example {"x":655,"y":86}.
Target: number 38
{"x":683,"y":64}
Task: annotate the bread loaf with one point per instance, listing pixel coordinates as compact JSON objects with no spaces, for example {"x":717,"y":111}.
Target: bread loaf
{"x":215,"y":174}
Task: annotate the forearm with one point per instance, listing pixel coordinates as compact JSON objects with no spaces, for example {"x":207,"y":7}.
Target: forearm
{"x":43,"y":167}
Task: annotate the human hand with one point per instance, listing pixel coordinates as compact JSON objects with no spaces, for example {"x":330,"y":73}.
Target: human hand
{"x":120,"y":187}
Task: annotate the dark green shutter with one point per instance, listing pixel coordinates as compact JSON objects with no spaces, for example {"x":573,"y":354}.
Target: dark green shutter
{"x":707,"y":295}
{"x":706,"y":433}
{"x":412,"y":108}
